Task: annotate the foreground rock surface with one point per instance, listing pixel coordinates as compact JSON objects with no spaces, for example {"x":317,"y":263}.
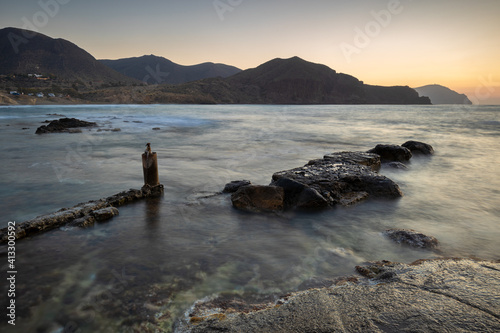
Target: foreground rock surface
{"x":453,"y":295}
{"x":83,"y":214}
{"x":63,"y":125}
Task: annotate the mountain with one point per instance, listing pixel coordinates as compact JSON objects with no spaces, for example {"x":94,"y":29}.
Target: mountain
{"x":296,"y":81}
{"x":442,"y":95}
{"x":154,"y":70}
{"x":27,"y":52}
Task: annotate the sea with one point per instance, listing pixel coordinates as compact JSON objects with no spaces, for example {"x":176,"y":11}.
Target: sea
{"x":145,"y":268}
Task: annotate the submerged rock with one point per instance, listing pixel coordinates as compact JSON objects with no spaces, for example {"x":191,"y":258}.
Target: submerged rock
{"x":62,"y":125}
{"x":430,"y":296}
{"x":83,"y":214}
{"x":235,"y":185}
{"x":412,"y":238}
{"x":417,"y":147}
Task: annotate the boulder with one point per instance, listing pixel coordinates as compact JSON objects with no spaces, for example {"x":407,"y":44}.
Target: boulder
{"x":340,"y":180}
{"x":390,"y":153}
{"x":359,"y":157}
{"x":258,"y":198}
{"x":235,"y":185}
{"x":417,"y":147}
{"x":412,"y":238}
{"x":64,"y":125}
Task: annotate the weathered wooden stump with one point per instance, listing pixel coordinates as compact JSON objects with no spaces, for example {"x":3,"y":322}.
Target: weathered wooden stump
{"x":150,"y":169}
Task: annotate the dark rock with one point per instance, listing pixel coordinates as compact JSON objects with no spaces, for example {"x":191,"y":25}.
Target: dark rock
{"x":257,"y":198}
{"x":235,"y":185}
{"x":392,"y":153}
{"x":63,"y":125}
{"x":412,"y":238}
{"x":359,"y":157}
{"x":417,"y":147}
{"x":105,"y":214}
{"x":397,"y":165}
{"x":310,"y":199}
{"x":156,"y":128}
{"x":340,"y":179}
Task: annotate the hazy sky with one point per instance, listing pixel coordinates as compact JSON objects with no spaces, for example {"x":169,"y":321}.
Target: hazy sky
{"x":455,"y":43}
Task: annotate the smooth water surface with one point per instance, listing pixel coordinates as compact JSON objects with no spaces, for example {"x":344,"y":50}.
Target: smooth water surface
{"x":148,"y":265}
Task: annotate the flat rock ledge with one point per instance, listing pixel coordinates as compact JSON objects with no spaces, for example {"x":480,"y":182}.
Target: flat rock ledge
{"x":442,"y":295}
{"x":83,"y":214}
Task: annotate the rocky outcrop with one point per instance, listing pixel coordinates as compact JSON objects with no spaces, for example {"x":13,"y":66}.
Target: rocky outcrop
{"x":392,"y":153}
{"x":83,"y":214}
{"x":64,"y":125}
{"x":417,"y":147}
{"x":343,"y":178}
{"x":412,"y":238}
{"x":442,"y":295}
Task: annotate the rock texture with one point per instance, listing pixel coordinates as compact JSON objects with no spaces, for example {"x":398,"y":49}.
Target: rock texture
{"x":83,"y":214}
{"x":412,"y":238}
{"x":64,"y":125}
{"x":258,"y":198}
{"x":392,"y":153}
{"x":417,"y":147}
{"x":342,"y":178}
{"x":454,"y":295}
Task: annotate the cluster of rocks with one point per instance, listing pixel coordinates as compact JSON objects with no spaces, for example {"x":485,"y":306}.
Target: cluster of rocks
{"x":83,"y":214}
{"x":64,"y":125}
{"x":341,"y":178}
{"x":442,"y":295}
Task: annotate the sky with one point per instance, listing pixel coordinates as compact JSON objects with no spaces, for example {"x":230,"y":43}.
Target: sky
{"x":454,"y":43}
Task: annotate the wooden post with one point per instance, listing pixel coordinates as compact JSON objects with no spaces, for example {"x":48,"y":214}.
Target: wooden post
{"x":150,"y":169}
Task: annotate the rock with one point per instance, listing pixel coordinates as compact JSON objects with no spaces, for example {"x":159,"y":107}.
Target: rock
{"x":426,"y":296}
{"x":235,"y":185}
{"x":397,"y":165}
{"x":63,"y":125}
{"x":105,"y":214}
{"x":310,"y":199}
{"x":83,"y":214}
{"x":83,"y":222}
{"x":258,"y":198}
{"x":339,"y":179}
{"x":156,"y":128}
{"x":359,"y":157}
{"x":412,"y":238}
{"x":417,"y":147}
{"x":391,"y":153}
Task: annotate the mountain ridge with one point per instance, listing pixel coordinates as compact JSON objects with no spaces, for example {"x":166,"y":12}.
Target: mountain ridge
{"x":25,"y":52}
{"x":152,"y":69}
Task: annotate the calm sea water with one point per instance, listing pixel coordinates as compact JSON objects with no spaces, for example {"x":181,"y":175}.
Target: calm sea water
{"x":148,"y":265}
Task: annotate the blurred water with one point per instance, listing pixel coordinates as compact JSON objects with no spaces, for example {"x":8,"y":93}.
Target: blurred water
{"x":150,"y":263}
